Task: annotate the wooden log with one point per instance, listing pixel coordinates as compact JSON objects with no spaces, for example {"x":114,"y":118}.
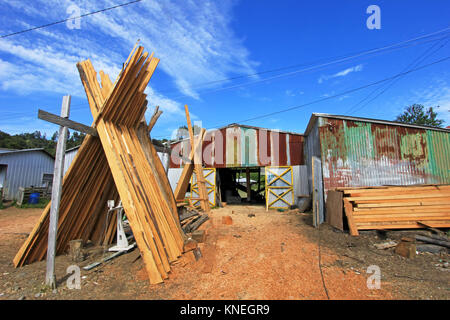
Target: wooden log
{"x":432,"y":248}
{"x":433,"y":241}
{"x":76,"y":250}
{"x":197,"y":223}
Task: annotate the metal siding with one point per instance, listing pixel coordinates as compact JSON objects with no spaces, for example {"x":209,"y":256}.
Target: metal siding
{"x":249,"y":147}
{"x":68,"y":158}
{"x":25,"y":169}
{"x":311,"y":149}
{"x":245,"y":147}
{"x":356,"y":153}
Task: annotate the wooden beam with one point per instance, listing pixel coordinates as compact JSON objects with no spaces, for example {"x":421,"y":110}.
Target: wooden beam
{"x":50,"y":278}
{"x":198,"y":167}
{"x":53,"y":118}
{"x":156,"y":114}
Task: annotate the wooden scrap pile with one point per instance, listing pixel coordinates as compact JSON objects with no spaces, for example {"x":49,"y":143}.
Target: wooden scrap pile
{"x":397,"y":207}
{"x":191,"y":220}
{"x":120,"y":163}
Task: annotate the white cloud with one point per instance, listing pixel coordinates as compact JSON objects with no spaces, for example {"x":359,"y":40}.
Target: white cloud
{"x":194,"y":41}
{"x":342,"y":73}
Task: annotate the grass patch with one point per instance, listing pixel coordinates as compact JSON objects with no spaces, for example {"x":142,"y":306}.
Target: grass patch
{"x":40,"y":205}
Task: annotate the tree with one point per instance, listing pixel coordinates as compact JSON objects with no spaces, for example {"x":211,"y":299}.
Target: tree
{"x":417,"y":114}
{"x":183,"y":133}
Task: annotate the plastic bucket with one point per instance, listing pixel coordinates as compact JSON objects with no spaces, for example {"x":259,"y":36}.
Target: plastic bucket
{"x":34,"y":198}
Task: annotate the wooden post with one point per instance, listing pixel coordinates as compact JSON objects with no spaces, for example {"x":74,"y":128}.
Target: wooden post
{"x":50,"y":279}
{"x":247,"y":178}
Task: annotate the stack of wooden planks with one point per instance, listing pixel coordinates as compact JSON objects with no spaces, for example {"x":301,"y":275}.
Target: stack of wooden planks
{"x":120,"y":162}
{"x":400,"y":207}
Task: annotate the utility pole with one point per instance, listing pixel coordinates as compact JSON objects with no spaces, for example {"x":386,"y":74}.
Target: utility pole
{"x":50,"y":278}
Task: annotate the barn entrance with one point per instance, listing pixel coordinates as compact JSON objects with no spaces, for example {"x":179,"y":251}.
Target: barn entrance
{"x":241,"y":185}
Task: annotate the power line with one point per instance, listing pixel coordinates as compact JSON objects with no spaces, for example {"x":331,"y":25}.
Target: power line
{"x":388,"y":85}
{"x":331,"y":97}
{"x":342,"y":93}
{"x":313,"y":67}
{"x":397,"y":45}
{"x":69,"y":19}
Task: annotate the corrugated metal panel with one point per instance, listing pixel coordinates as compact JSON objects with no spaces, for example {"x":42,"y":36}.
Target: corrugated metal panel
{"x":356,"y":153}
{"x":242,"y":146}
{"x":68,"y":158}
{"x":25,"y":169}
{"x":311,"y":149}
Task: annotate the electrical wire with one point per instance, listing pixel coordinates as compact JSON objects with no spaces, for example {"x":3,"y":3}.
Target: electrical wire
{"x":331,"y":97}
{"x":342,"y":93}
{"x":313,"y":67}
{"x":69,"y":19}
{"x":388,"y":85}
{"x":200,"y":85}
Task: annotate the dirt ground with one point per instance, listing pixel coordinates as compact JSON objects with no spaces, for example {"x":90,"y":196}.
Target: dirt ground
{"x":261,"y":255}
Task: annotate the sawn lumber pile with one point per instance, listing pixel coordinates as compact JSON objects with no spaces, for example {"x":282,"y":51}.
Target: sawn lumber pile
{"x":397,"y":207}
{"x":120,"y":163}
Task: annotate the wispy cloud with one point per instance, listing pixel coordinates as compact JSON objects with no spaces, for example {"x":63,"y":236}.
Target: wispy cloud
{"x":342,"y":73}
{"x":293,"y":93}
{"x":193,"y":40}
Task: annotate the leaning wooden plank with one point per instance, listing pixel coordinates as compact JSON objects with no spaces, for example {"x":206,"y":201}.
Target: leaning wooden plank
{"x":349,"y":214}
{"x":198,"y":168}
{"x":183,"y":182}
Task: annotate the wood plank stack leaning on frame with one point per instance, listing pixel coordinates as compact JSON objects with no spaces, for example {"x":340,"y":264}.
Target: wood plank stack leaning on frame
{"x":193,"y":165}
{"x":116,"y":163}
{"x":397,"y":207}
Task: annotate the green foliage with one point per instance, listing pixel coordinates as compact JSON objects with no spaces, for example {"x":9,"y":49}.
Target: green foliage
{"x":417,"y":114}
{"x":1,"y":204}
{"x":41,"y":204}
{"x":158,"y":142}
{"x":38,"y":140}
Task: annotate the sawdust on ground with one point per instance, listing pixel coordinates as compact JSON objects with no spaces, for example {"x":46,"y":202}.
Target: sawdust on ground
{"x":271,"y":255}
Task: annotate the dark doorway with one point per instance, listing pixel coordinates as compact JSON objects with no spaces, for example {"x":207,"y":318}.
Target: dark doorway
{"x":242,"y":185}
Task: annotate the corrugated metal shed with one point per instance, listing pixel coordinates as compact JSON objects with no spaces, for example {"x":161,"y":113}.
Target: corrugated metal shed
{"x":244,"y":146}
{"x":23,"y":168}
{"x":359,"y":152}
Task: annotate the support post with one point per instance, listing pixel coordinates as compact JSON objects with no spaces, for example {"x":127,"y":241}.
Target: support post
{"x":50,"y":278}
{"x":247,"y":178}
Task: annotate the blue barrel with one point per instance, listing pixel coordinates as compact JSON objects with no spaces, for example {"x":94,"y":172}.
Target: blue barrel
{"x":34,"y":198}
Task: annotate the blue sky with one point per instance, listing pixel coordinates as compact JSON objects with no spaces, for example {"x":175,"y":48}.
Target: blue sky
{"x":201,"y":43}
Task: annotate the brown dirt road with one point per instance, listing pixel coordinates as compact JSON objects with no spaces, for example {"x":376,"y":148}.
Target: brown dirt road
{"x":272,"y":255}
